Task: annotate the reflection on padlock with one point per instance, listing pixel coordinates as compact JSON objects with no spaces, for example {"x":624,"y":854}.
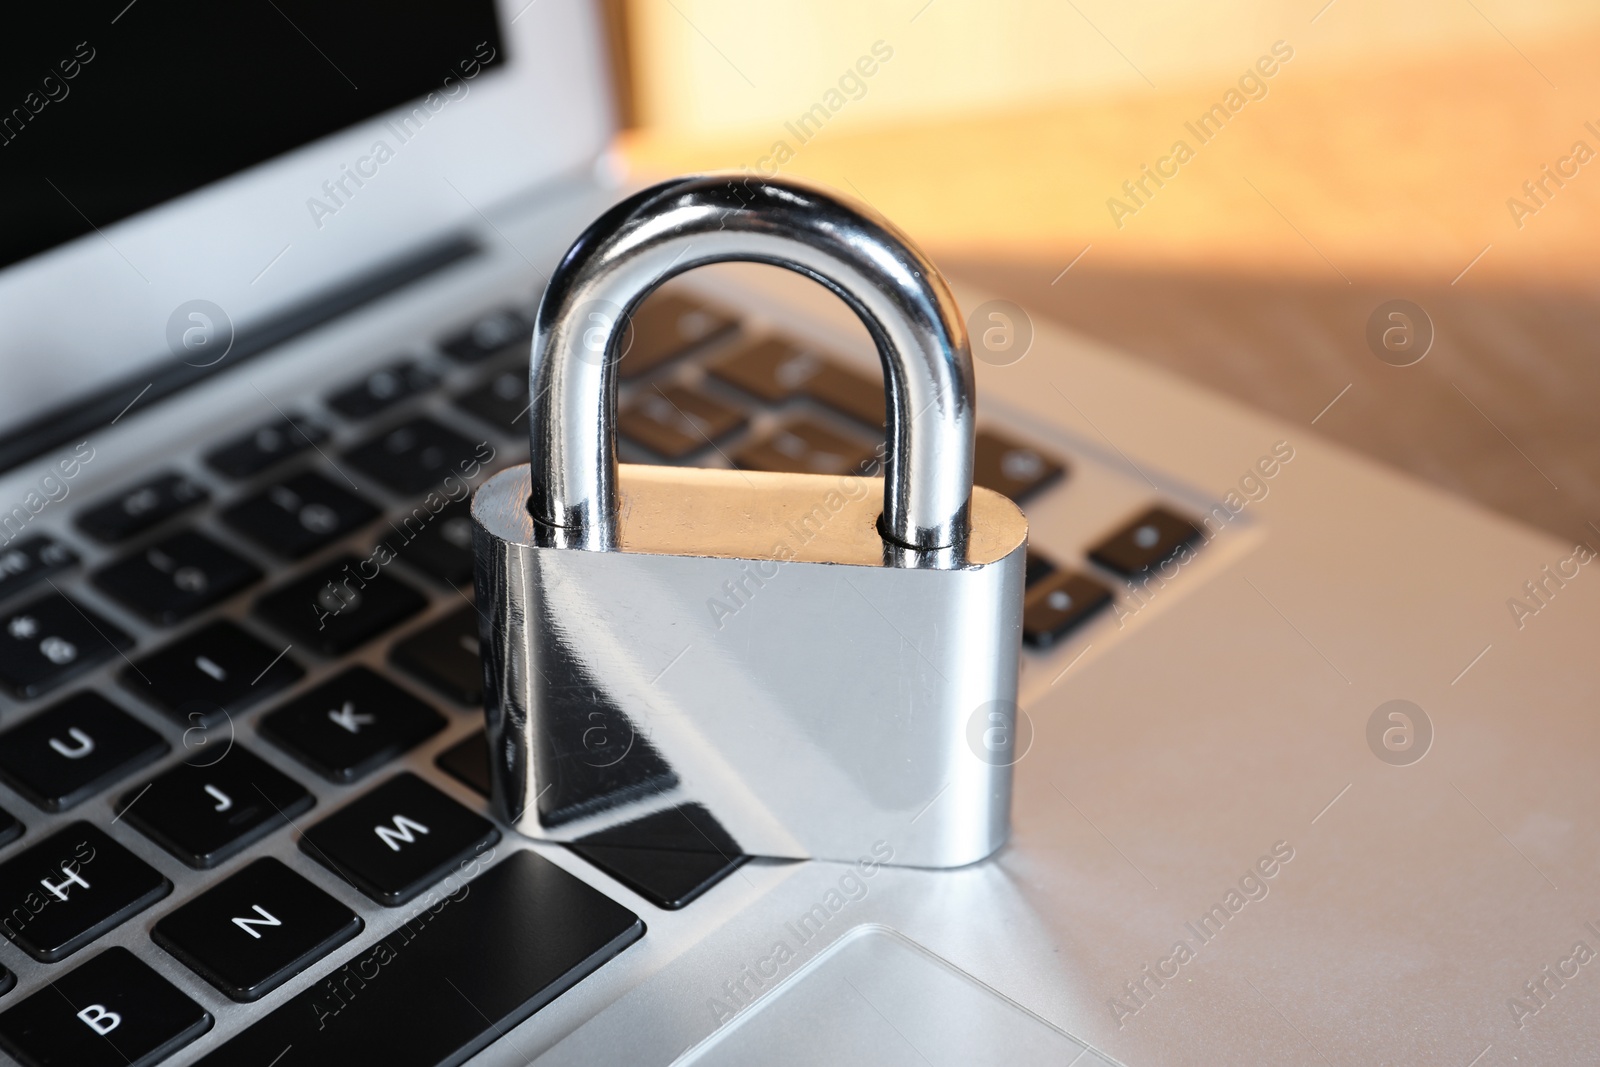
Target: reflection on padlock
{"x":781,"y":649}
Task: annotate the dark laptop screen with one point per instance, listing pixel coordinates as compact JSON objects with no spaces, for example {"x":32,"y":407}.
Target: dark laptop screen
{"x":110,"y":108}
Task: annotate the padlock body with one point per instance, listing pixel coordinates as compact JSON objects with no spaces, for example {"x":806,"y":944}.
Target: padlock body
{"x":754,"y":647}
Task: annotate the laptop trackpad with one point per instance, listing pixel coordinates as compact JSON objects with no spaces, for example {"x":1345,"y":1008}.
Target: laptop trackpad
{"x":879,"y":999}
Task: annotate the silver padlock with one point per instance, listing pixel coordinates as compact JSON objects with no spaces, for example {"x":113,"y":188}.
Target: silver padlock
{"x":861,"y":699}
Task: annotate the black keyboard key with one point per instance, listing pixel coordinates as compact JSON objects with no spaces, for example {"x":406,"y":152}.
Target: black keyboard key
{"x":593,"y":758}
{"x":214,"y":672}
{"x":772,"y":369}
{"x":61,"y":894}
{"x":849,"y":393}
{"x":299,"y":515}
{"x":502,"y":401}
{"x":675,"y":422}
{"x":30,"y":560}
{"x":1038,"y":568}
{"x":207,"y":812}
{"x":455,"y":978}
{"x":1148,"y":541}
{"x":418,"y":455}
{"x":1012,"y":469}
{"x":440,"y":544}
{"x":805,"y":447}
{"x":114,"y":1011}
{"x":467,"y":761}
{"x":382,"y":389}
{"x":669,"y":858}
{"x":351,"y":724}
{"x":71,"y":750}
{"x":399,"y":839}
{"x":497,"y":332}
{"x":666,"y":327}
{"x":261,"y":449}
{"x":48,"y":640}
{"x":177,"y":577}
{"x":11,"y":827}
{"x":142,"y":507}
{"x":1057,"y":604}
{"x":337,"y":606}
{"x":256,"y":929}
{"x":8,"y":982}
{"x":445,"y":657}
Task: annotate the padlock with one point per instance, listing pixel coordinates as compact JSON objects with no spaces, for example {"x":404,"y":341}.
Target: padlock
{"x":822,"y":676}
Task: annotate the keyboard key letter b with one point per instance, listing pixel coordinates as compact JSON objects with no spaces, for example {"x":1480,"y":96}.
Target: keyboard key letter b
{"x":98,"y":1019}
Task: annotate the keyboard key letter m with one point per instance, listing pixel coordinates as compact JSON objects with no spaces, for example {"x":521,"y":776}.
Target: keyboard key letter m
{"x":401,"y":831}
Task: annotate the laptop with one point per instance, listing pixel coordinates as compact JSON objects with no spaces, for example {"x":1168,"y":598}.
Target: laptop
{"x":1305,"y":762}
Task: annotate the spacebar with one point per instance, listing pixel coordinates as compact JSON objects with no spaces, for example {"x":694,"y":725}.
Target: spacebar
{"x":444,"y":985}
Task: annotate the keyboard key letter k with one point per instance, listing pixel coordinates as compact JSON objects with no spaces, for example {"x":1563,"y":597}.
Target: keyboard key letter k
{"x":347,"y":717}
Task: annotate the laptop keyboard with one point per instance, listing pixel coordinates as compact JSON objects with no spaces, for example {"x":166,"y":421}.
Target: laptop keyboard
{"x":270,"y":565}
{"x":142,"y":507}
{"x":208,"y":812}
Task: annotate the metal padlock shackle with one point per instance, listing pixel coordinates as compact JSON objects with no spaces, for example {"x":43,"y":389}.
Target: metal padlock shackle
{"x":690,"y":222}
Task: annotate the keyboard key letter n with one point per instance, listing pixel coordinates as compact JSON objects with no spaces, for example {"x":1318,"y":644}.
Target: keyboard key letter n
{"x":244,"y":922}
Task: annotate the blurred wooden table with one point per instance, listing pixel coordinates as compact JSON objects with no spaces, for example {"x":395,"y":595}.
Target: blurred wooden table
{"x":1255,"y":268}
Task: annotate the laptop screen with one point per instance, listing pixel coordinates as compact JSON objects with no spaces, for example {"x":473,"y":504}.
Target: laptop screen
{"x":107,"y":109}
